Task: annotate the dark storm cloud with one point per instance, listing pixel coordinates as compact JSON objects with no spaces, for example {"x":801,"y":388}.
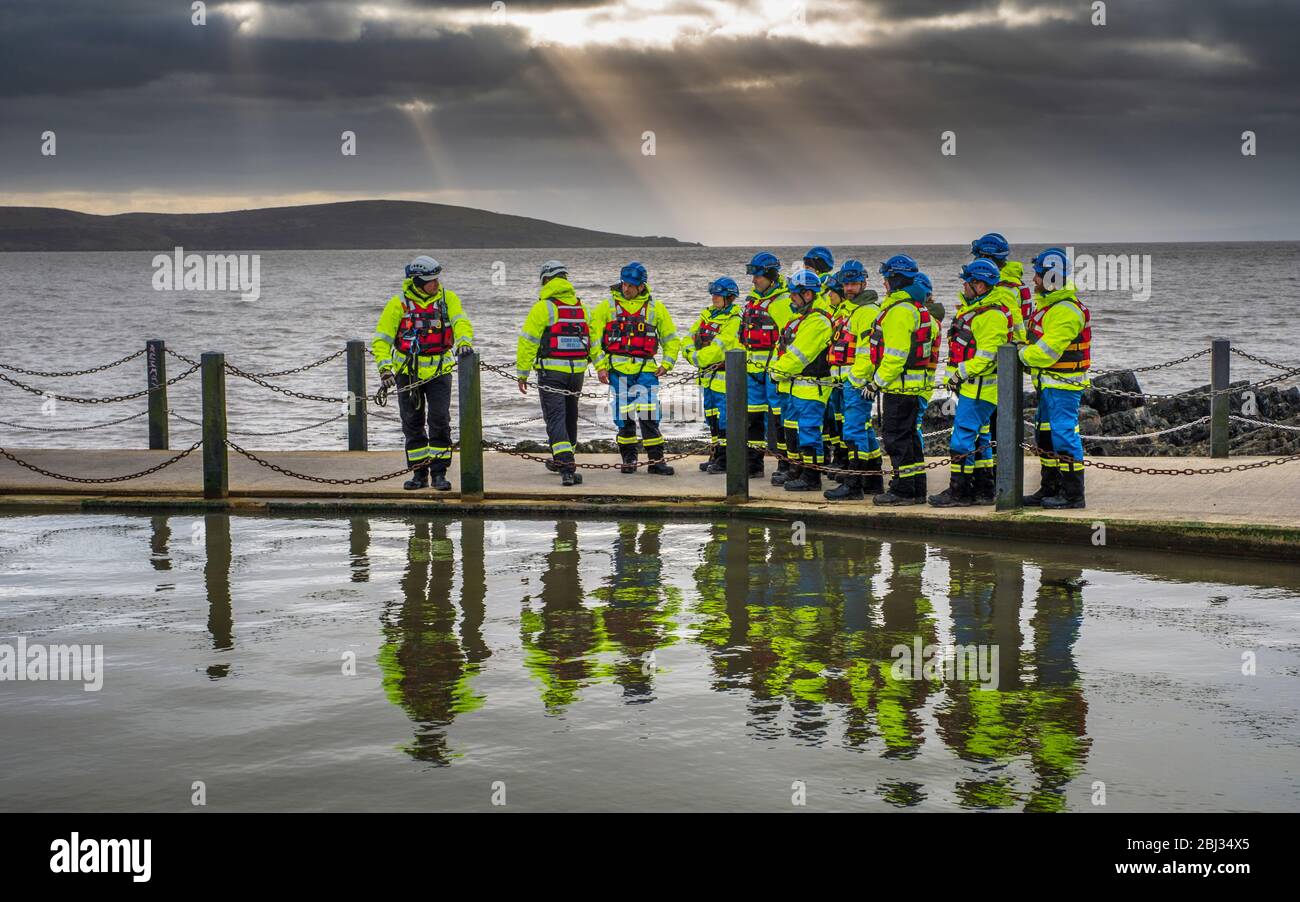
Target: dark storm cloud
{"x":1146,"y":99}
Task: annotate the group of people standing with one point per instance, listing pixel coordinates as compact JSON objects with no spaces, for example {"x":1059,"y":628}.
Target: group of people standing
{"x":821,"y":350}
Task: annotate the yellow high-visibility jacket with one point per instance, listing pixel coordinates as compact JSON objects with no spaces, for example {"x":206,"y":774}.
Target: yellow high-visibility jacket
{"x":557,"y":292}
{"x":1014,"y":271}
{"x":862,"y":312}
{"x":384,"y":344}
{"x":656,"y":314}
{"x":898,"y":319}
{"x":1063,"y":320}
{"x":779,"y":310}
{"x":988,"y":324}
{"x":811,"y":339}
{"x":714,"y":351}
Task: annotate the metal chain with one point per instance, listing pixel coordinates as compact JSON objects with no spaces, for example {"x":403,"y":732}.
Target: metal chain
{"x":1261,"y":423}
{"x":56,"y":375}
{"x":838,"y":470}
{"x":181,"y":357}
{"x":1132,"y":438}
{"x":110,"y":400}
{"x":243,"y":374}
{"x":106,"y":479}
{"x":306,"y":366}
{"x":72,"y":428}
{"x":199,"y":423}
{"x":1277,"y":366}
{"x":293,"y":474}
{"x":1155,"y":366}
{"x":1231,"y":390}
{"x":514,"y":377}
{"x":1159,"y":471}
{"x":506,"y":449}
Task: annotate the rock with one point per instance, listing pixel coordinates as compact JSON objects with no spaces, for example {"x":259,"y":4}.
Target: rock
{"x":1104,"y":404}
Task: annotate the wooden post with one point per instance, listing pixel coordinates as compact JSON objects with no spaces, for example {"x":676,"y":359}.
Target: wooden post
{"x":471,"y":427}
{"x":216,"y":466}
{"x":155,"y":359}
{"x":1011,"y":415}
{"x":737,"y":427}
{"x":1220,"y":354}
{"x":357,"y":433}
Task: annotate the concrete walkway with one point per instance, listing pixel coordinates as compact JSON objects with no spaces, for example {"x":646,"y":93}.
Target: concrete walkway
{"x":1265,"y":497}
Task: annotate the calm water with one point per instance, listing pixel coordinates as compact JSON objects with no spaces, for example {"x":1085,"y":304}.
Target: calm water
{"x":71,"y":310}
{"x":619,"y":664}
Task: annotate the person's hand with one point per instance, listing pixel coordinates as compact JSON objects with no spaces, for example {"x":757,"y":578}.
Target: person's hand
{"x":953,"y":384}
{"x":387,"y":379}
{"x":603,"y":376}
{"x":660,"y":371}
{"x":523,"y":386}
{"x":462,"y":350}
{"x":869,"y":391}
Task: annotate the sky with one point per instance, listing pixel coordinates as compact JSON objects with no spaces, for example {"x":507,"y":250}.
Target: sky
{"x":770,"y":121}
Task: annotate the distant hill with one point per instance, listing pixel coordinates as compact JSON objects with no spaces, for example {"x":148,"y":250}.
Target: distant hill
{"x":365,"y":224}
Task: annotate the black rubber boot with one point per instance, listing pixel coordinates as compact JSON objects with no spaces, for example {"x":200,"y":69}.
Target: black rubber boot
{"x":873,"y":482}
{"x":718,"y":463}
{"x":840,"y":461}
{"x":805,"y":478}
{"x":1071,"y":495}
{"x":439,"y":480}
{"x":657,"y":467}
{"x":960,"y":492}
{"x":553,"y":466}
{"x":984,"y":486}
{"x":850,"y":487}
{"x":1049,"y":487}
{"x":419,"y":480}
{"x":628,"y":453}
{"x":570,"y":477}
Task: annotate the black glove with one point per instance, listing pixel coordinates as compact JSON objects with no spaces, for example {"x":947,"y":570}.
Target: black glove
{"x":462,"y":350}
{"x":387,"y":379}
{"x":953,"y":384}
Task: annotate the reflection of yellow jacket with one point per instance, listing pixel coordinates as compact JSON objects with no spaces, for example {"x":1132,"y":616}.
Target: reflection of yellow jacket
{"x":715,"y":351}
{"x":656,"y":315}
{"x":812,"y":336}
{"x":557,"y":292}
{"x":384,"y":343}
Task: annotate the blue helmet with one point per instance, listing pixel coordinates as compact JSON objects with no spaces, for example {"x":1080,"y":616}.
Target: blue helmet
{"x":899,"y":265}
{"x":852,"y":271}
{"x":991,"y":245}
{"x":633,"y":274}
{"x":805,"y":280}
{"x":762,"y":264}
{"x":834,"y":283}
{"x":424,"y":268}
{"x":981,"y":270}
{"x":1055,"y":260}
{"x":819,"y":259}
{"x":922,"y":281}
{"x":725,"y":286}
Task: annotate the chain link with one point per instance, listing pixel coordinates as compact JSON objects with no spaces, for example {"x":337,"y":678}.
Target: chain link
{"x":1160,"y":471}
{"x":58,"y":375}
{"x":506,"y":449}
{"x":1261,"y":360}
{"x":325,"y":480}
{"x":300,"y":369}
{"x":302,"y":396}
{"x":199,"y":423}
{"x":1211,"y":393}
{"x":105,"y":479}
{"x":110,"y":400}
{"x":1155,"y":366}
{"x":1263,"y":423}
{"x":72,"y":428}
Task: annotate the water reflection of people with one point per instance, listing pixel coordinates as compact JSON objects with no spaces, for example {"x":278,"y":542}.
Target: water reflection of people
{"x":427,"y":668}
{"x":560,"y":640}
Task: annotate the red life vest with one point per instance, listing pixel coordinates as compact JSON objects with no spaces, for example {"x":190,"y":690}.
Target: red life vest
{"x":816,"y":368}
{"x":568,"y":338}
{"x":758,"y":331}
{"x":1077,"y":355}
{"x":844,"y":344}
{"x":923,"y":349}
{"x":427,"y":327}
{"x":961,"y":334}
{"x":707,"y":330}
{"x":630,"y":334}
{"x":1026,"y":298}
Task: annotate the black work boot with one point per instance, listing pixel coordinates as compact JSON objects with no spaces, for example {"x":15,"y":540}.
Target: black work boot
{"x":984,"y":486}
{"x":553,"y":466}
{"x":873,"y":482}
{"x":713,"y":455}
{"x":570,"y":477}
{"x":1071,"y":494}
{"x":755,"y":460}
{"x":1048,"y":487}
{"x":439,"y":480}
{"x":840,"y":461}
{"x":419,"y":479}
{"x":850,"y":487}
{"x":628,"y":453}
{"x":804,"y":478}
{"x":960,"y":492}
{"x":718,"y":463}
{"x":894,"y":496}
{"x":783,"y":471}
{"x":657,"y":467}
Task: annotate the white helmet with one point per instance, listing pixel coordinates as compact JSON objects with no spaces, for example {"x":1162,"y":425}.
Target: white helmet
{"x":552,"y":268}
{"x":423,"y":267}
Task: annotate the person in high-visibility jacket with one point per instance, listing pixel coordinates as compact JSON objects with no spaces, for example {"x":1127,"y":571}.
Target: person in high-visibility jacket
{"x":1058,"y":357}
{"x":763,"y":316}
{"x":801,"y":368}
{"x":417,"y":340}
{"x":715,"y":332}
{"x":556,"y":340}
{"x":637,"y":343}
{"x":904,"y":345}
{"x":981,"y":326}
{"x":852,"y":323}
{"x":994,"y":248}
{"x":922,"y":290}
